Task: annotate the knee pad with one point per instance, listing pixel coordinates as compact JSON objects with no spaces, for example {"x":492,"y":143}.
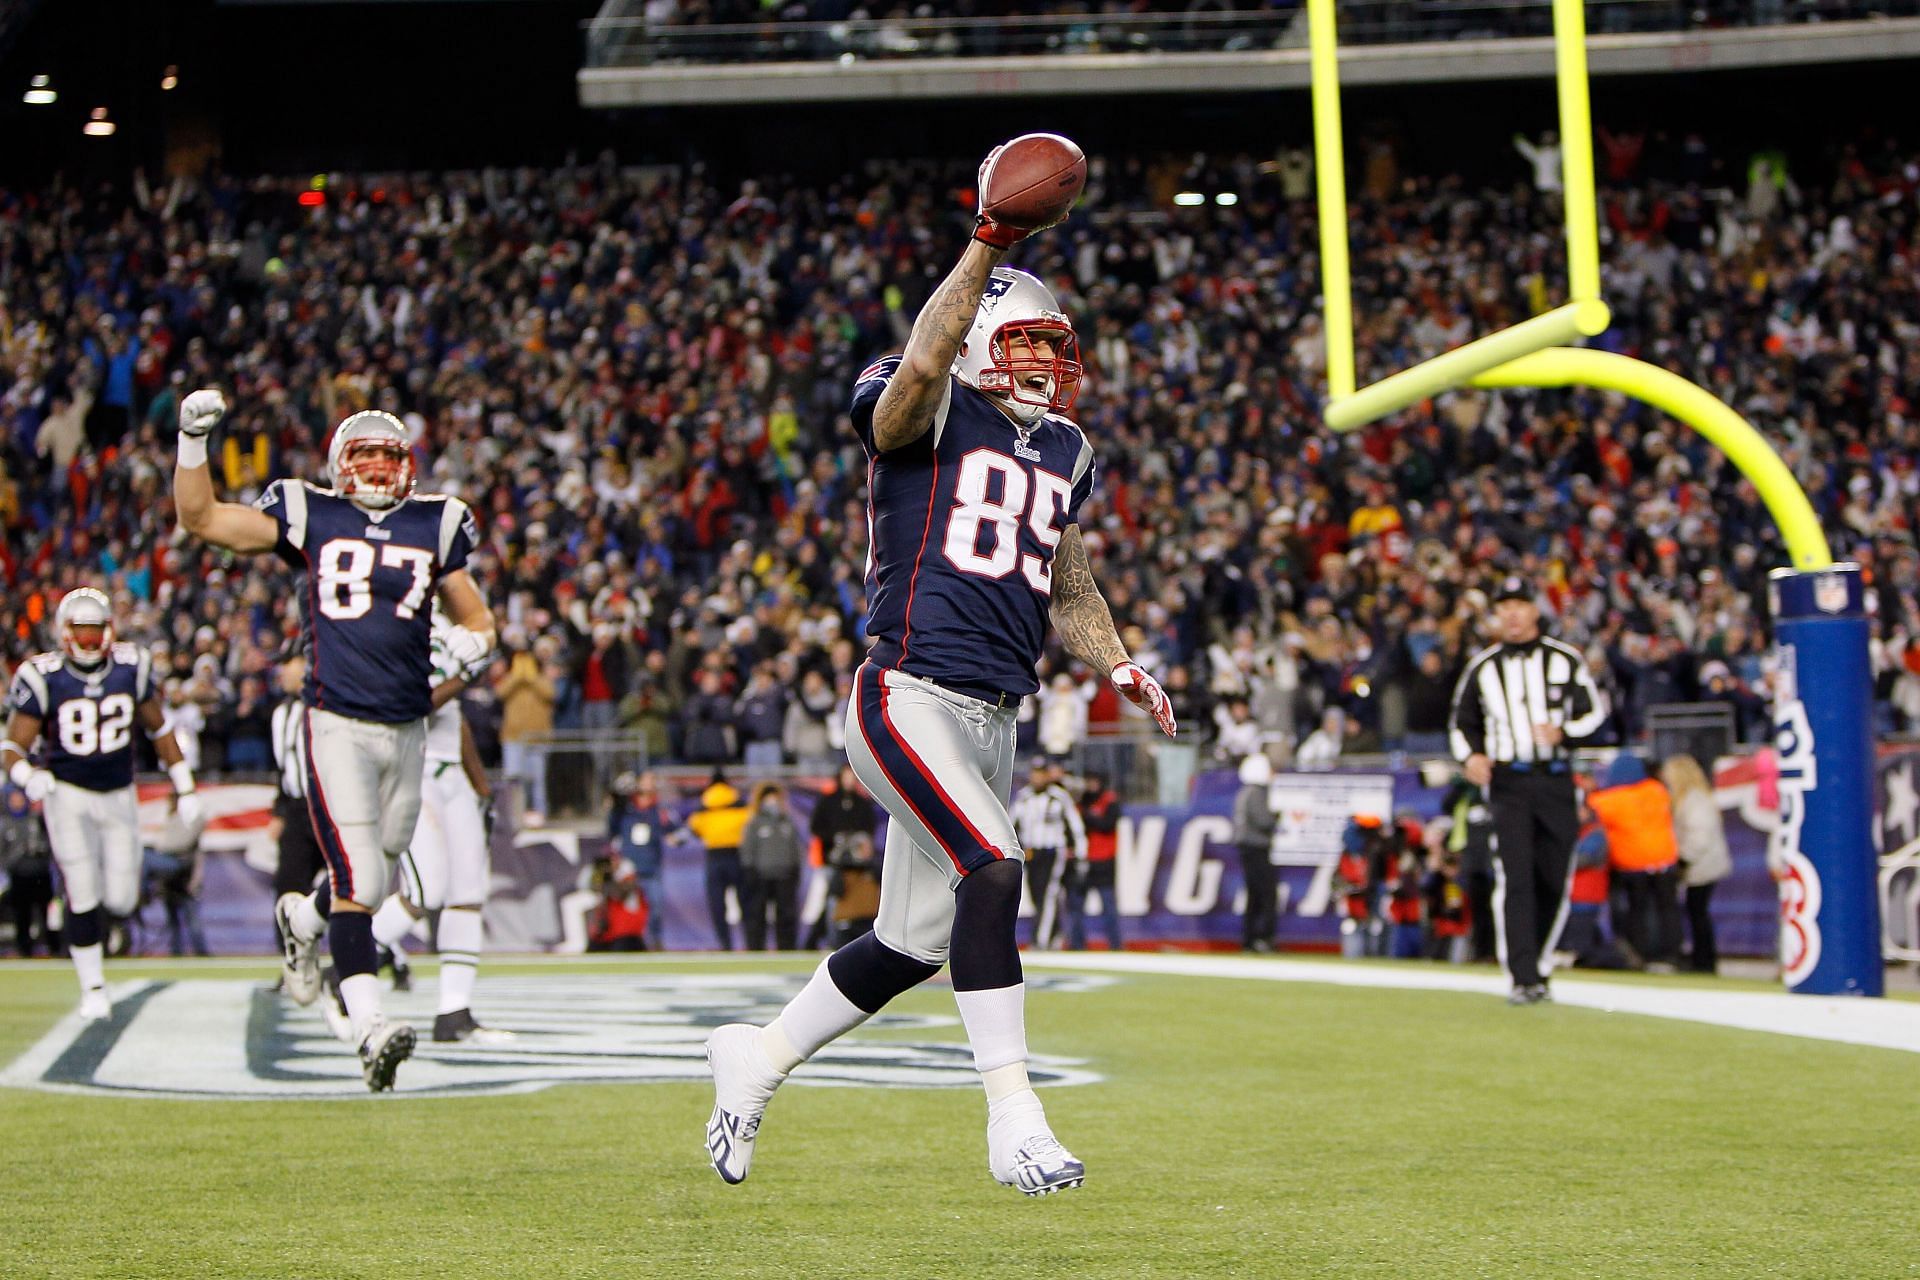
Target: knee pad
{"x":869,"y":973}
{"x":83,"y":928}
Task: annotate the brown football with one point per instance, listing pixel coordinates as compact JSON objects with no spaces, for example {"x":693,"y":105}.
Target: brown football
{"x":1033,"y":181}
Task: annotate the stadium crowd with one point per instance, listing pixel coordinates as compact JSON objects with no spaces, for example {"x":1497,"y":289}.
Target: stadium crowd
{"x":639,"y":378}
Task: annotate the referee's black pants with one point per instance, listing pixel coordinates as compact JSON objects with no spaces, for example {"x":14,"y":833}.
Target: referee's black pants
{"x":1536,"y":820}
{"x":300,"y":858}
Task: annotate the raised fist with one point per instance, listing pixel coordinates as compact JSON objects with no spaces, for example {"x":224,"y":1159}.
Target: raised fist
{"x":201,"y":412}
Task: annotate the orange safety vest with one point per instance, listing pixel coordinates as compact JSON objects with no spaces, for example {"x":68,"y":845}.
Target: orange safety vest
{"x":1638,"y":819}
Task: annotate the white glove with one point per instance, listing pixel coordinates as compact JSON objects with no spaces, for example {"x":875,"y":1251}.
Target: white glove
{"x":201,"y":412}
{"x":1143,"y":691}
{"x":470,"y":651}
{"x":38,"y":786}
{"x":191,"y":808}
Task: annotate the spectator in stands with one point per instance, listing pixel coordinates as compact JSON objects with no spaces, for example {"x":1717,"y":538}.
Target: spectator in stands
{"x":709,"y":735}
{"x":1701,"y":837}
{"x":760,"y":715}
{"x":771,"y":856}
{"x":250,"y":730}
{"x":807,"y":734}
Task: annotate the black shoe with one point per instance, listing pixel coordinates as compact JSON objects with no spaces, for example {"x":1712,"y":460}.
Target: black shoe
{"x":460,"y":1026}
{"x":402,"y":971}
{"x":1542,"y":994}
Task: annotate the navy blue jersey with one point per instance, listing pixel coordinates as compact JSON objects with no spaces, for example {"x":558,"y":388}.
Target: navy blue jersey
{"x":86,"y":718}
{"x":368,"y":604}
{"x":965,"y":522}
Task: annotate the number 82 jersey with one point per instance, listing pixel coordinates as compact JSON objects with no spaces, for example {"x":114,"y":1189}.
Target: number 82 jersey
{"x":965,"y":521}
{"x":368,"y":608}
{"x":86,"y":717}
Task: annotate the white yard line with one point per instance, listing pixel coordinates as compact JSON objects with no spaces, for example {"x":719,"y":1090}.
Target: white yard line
{"x":1882,"y":1024}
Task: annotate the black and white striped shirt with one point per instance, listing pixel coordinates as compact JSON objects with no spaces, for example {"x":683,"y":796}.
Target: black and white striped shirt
{"x":1048,"y":819}
{"x":290,"y":748}
{"x":1508,"y":688}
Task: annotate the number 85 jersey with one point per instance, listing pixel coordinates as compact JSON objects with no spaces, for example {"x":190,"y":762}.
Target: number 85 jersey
{"x":368,"y":599}
{"x":964,"y":524}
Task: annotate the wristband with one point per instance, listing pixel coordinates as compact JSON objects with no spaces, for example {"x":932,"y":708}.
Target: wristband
{"x":193,"y":451}
{"x":182,"y":775}
{"x":18,"y":775}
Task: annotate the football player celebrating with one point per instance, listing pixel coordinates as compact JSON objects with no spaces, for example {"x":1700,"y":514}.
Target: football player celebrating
{"x":975,"y":485}
{"x":445,"y":869}
{"x":372,"y":552}
{"x":84,"y":701}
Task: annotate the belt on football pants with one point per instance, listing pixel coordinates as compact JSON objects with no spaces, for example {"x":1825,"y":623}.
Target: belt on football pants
{"x":991,"y":699}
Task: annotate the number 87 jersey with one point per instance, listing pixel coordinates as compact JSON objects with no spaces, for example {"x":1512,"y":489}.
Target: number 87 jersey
{"x":965,"y":521}
{"x":367,"y":606}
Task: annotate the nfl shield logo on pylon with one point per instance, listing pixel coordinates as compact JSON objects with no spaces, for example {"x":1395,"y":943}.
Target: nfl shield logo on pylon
{"x":1830,"y":593}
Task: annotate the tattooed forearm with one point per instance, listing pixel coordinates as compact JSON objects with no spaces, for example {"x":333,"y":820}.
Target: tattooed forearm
{"x":1079,"y":611}
{"x":906,"y":407}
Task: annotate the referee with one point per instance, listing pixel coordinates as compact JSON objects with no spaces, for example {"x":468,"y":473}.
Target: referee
{"x":1520,"y":706}
{"x":300,"y":861}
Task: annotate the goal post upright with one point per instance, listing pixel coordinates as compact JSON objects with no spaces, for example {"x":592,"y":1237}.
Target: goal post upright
{"x":1831,"y":937}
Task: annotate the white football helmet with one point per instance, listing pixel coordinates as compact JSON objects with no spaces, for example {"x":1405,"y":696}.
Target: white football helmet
{"x":1018,"y":308}
{"x":370,"y":461}
{"x":85,"y":623}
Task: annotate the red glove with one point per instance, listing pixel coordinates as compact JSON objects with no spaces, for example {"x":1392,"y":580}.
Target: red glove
{"x":1143,"y":691}
{"x":985,"y":229}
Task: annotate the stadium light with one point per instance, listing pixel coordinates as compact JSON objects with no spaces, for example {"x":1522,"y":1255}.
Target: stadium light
{"x":170,"y":78}
{"x":1188,"y":199}
{"x":40,"y":92}
{"x":97,"y":125}
{"x":1226,"y":198}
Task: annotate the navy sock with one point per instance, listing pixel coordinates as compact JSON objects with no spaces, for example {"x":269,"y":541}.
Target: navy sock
{"x":350,"y":938}
{"x":986,"y":956}
{"x":869,"y":973}
{"x":83,"y":928}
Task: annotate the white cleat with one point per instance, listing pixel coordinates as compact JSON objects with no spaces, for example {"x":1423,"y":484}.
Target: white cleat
{"x":743,"y":1082}
{"x":1022,"y":1151}
{"x":387,"y":1046}
{"x":94,"y":1005}
{"x":300,"y":961}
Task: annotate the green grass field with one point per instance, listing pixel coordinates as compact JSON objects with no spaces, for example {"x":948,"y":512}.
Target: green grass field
{"x":1241,"y":1129}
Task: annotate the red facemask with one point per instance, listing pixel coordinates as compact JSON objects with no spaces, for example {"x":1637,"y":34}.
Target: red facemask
{"x":1009,"y":374}
{"x":376,"y":469}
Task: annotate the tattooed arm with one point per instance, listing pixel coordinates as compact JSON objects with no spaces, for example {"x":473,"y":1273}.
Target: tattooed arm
{"x":907,"y":406}
{"x":1079,"y":611}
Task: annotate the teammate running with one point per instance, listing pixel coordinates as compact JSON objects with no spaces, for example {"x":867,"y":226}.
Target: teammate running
{"x":372,"y":553}
{"x":84,"y":701}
